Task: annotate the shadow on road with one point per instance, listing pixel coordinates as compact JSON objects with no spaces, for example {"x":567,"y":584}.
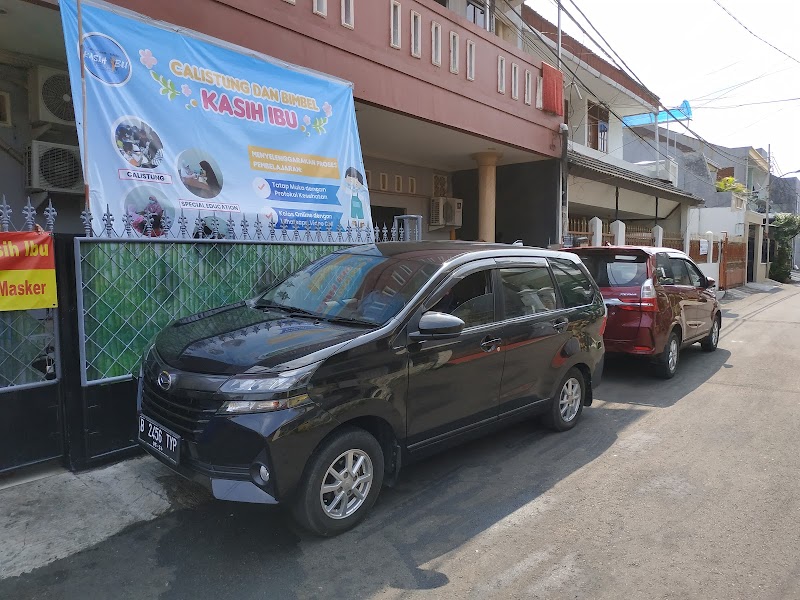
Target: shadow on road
{"x":225,"y":550}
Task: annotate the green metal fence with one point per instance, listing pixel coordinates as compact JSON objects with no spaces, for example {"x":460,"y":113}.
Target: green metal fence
{"x":129,"y":289}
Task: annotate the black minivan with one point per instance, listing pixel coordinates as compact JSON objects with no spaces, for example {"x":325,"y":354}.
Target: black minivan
{"x":315,"y":393}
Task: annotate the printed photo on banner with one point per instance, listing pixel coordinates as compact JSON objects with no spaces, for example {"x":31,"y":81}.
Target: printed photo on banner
{"x":200,"y":173}
{"x":138,"y":144}
{"x":145,"y":203}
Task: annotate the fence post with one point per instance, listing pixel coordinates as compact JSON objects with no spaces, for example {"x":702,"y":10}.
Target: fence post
{"x":710,"y":238}
{"x":618,"y":231}
{"x":596,"y":231}
{"x":658,"y":236}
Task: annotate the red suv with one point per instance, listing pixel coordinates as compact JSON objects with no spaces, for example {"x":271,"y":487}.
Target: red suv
{"x":658,"y":302}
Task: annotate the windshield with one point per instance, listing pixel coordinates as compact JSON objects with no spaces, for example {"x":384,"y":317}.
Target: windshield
{"x":617,"y":271}
{"x":351,"y":287}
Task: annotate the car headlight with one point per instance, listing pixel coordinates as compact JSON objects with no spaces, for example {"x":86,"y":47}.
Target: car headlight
{"x":256,"y":393}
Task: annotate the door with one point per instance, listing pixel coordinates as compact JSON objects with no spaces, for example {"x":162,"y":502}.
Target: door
{"x":535,"y":328}
{"x":751,"y":253}
{"x":454,"y":384}
{"x":686,"y":300}
{"x":705,"y":298}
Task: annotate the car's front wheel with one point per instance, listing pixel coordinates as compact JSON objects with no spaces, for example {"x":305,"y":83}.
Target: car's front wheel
{"x":709,"y":343}
{"x":568,"y":403}
{"x":341,"y":482}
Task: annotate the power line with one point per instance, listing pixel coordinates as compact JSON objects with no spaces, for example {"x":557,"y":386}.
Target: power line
{"x":746,"y":104}
{"x":754,"y":34}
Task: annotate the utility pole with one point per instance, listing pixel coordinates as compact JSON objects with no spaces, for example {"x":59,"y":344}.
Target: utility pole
{"x":769,"y":182}
{"x":563,"y":211}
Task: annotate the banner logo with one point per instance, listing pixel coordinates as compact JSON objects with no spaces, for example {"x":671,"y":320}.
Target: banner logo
{"x":105,"y":59}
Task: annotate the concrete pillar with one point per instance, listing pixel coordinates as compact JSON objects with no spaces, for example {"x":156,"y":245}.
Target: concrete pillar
{"x":710,"y":238}
{"x":487,"y":190}
{"x":618,"y":231}
{"x":596,"y":231}
{"x":658,"y":236}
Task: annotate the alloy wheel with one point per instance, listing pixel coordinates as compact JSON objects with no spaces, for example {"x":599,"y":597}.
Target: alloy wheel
{"x":346,"y":484}
{"x":673,"y":354}
{"x":570,"y":401}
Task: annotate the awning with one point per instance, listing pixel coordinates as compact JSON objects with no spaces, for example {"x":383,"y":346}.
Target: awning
{"x":598,"y":170}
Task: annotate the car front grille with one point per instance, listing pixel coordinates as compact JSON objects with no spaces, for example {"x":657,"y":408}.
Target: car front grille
{"x":186,"y":412}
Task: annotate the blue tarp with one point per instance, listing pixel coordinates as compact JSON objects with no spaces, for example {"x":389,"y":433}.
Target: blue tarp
{"x":680,"y":113}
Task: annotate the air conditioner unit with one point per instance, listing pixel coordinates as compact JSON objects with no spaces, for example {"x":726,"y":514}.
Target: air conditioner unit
{"x":54,"y":168}
{"x":50,"y":97}
{"x":446,"y":212}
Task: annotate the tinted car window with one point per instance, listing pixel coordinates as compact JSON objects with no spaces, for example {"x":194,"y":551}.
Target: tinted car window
{"x":370,"y":289}
{"x":695,"y":276}
{"x":617,"y":270}
{"x":576,"y":289}
{"x":527,"y":291}
{"x":470,"y":299}
{"x":680,"y":272}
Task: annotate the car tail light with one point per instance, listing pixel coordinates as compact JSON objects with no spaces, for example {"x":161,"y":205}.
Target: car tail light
{"x":649,"y":299}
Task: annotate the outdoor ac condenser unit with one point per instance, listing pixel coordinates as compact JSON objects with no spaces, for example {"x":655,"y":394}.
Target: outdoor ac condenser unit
{"x":54,"y":168}
{"x":50,"y":97}
{"x":446,"y":212}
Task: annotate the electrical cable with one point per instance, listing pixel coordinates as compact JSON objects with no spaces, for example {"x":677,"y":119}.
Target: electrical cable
{"x":754,"y":34}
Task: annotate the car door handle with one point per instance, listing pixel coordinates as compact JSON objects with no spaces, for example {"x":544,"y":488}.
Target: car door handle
{"x":489,"y":344}
{"x":560,"y":324}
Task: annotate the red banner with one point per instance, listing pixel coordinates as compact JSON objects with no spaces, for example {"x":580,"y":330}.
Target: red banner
{"x":27,"y":271}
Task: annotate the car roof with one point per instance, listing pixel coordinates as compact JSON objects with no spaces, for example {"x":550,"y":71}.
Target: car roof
{"x":646,"y":249}
{"x":447,"y":251}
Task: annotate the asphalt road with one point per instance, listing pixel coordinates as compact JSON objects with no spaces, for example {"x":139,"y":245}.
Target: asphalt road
{"x":686,"y":489}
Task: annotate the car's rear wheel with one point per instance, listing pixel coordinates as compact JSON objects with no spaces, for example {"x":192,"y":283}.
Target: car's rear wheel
{"x":567,"y":406}
{"x":709,"y":343}
{"x":666,"y":364}
{"x":341,"y":482}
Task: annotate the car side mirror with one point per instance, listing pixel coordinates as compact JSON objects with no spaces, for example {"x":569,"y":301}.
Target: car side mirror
{"x":437,"y":326}
{"x":711,"y":282}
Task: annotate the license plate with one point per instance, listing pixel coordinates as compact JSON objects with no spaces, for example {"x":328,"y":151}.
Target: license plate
{"x":160,"y":439}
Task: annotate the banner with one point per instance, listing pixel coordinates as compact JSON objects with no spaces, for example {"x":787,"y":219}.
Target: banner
{"x":182,"y":128}
{"x":27,"y":271}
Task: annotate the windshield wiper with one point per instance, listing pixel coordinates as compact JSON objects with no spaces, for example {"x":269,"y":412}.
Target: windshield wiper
{"x":289,"y":310}
{"x":351,"y":321}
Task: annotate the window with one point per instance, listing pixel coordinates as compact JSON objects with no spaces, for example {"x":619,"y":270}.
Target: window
{"x":348,"y":16}
{"x":695,"y":276}
{"x":453,"y":52}
{"x":528,"y":82}
{"x":395,"y":25}
{"x":442,"y":2}
{"x":476,"y":13}
{"x":617,"y":270}
{"x":470,"y":299}
{"x":5,"y":109}
{"x":436,"y":44}
{"x":576,"y":288}
{"x":368,"y":177}
{"x":664,"y":274}
{"x":501,"y":74}
{"x":321,"y":8}
{"x":527,"y":291}
{"x":680,"y":272}
{"x":398,"y":183}
{"x":597,"y":129}
{"x":470,"y":60}
{"x":412,"y":185}
{"x":384,"y":182}
{"x":383,"y":216}
{"x":767,"y":243}
{"x":515,"y":81}
{"x":290,"y":1}
{"x":416,"y":34}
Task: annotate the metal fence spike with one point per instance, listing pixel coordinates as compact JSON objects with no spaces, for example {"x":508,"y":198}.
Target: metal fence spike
{"x":30,"y":215}
{"x":50,"y":215}
{"x":5,"y":215}
{"x":86,"y":217}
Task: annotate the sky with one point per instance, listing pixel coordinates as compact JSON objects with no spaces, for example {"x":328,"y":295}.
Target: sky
{"x":692,"y":50}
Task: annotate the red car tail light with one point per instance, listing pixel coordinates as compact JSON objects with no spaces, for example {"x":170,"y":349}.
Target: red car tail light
{"x":649,"y":298}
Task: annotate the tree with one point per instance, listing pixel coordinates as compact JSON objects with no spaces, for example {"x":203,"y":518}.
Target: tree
{"x":783,"y":230}
{"x":729,"y":184}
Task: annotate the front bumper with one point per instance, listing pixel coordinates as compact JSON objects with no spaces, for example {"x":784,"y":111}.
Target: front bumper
{"x":225,"y":483}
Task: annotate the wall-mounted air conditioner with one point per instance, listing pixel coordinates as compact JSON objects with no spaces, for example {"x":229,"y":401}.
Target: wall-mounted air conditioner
{"x":50,"y":97}
{"x":54,"y":168}
{"x":446,"y":212}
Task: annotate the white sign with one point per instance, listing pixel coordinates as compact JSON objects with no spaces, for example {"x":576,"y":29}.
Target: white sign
{"x":703,"y":247}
